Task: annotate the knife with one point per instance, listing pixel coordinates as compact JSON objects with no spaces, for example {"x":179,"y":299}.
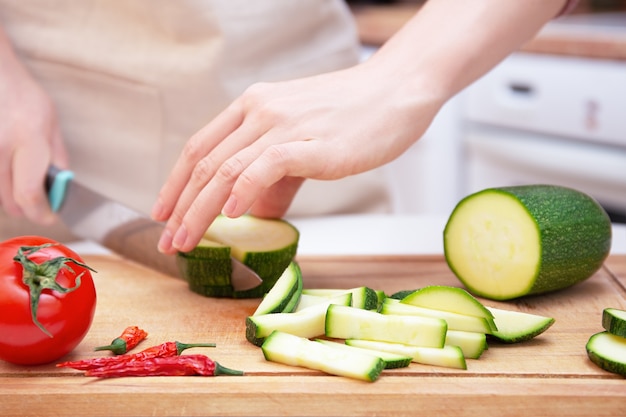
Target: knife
{"x":92,"y":216}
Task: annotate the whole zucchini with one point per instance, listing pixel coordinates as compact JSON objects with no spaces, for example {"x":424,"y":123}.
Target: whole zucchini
{"x":508,"y":242}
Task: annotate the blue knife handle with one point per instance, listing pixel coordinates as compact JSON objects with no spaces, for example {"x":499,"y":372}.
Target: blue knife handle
{"x":56,"y":184}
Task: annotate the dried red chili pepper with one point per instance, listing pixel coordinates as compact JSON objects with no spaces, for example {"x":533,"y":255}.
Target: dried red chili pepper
{"x":167,"y":349}
{"x":130,"y":337}
{"x":165,"y":366}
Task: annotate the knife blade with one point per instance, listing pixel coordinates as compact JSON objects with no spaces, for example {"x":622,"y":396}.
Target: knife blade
{"x":123,"y":230}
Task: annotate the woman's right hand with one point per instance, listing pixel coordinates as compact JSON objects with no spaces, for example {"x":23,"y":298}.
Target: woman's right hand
{"x":30,"y":140}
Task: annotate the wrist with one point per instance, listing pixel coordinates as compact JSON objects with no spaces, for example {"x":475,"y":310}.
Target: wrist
{"x":448,"y":44}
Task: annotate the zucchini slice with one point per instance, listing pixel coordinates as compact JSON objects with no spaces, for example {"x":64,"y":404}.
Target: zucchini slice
{"x":267,"y":246}
{"x":392,"y":360}
{"x":452,"y":299}
{"x":608,"y":351}
{"x":446,"y":356}
{"x":517,"y":326}
{"x":509,"y":242}
{"x":309,"y":322}
{"x":455,"y":321}
{"x":355,"y":323}
{"x":299,"y":351}
{"x":362,"y":297}
{"x":382,"y":296}
{"x":293,"y":303}
{"x":471,"y":344}
{"x":307,"y":300}
{"x":614,"y":321}
{"x":285,"y":293}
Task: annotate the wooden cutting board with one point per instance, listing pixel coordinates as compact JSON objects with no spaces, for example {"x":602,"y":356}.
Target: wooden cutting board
{"x":548,"y":375}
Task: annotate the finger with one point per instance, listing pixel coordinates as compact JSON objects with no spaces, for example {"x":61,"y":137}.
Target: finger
{"x":204,"y":203}
{"x":193,"y":213}
{"x":7,"y":202}
{"x":29,"y":170}
{"x":200,"y":145}
{"x":289,"y":160}
{"x":276,"y":200}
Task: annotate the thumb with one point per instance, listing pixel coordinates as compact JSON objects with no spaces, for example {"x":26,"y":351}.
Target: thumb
{"x":275,"y":201}
{"x":59,"y":156}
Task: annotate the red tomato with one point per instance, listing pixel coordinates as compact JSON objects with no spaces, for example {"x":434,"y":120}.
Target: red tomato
{"x":64,"y":317}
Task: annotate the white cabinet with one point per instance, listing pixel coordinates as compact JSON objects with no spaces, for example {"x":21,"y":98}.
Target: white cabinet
{"x":532,"y":119}
{"x":574,"y":98}
{"x":547,"y":119}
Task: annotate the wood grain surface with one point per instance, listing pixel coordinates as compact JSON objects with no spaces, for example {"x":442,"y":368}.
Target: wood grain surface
{"x":546,"y":376}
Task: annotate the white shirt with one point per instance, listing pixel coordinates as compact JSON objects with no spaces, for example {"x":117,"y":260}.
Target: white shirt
{"x":133,"y":80}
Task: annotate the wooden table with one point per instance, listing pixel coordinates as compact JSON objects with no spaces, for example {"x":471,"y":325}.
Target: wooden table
{"x":548,"y":375}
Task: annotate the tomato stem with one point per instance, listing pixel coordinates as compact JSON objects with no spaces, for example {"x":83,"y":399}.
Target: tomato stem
{"x":38,"y":277}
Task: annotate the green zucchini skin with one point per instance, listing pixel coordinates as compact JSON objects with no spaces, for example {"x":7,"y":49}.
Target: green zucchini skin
{"x":208,"y":268}
{"x":614,"y":321}
{"x":207,"y":273}
{"x":608,"y":352}
{"x":285,"y":294}
{"x":574,"y":232}
{"x":269,"y":266}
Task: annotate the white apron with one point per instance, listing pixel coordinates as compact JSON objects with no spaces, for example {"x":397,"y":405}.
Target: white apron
{"x":134,"y":79}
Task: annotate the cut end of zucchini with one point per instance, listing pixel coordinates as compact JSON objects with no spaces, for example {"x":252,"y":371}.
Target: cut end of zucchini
{"x":249,"y":234}
{"x":493,"y":245}
{"x":517,"y":326}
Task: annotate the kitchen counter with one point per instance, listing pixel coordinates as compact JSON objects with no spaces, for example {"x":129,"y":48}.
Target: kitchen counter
{"x":546,"y":376}
{"x":549,"y":375}
{"x":367,"y":234}
{"x":370,"y":234}
{"x":597,"y":36}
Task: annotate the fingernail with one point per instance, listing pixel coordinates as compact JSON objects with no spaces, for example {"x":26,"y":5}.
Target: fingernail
{"x":180,"y":237}
{"x":229,"y":206}
{"x":165,"y":242}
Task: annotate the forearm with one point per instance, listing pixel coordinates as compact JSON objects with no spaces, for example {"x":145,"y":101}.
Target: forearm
{"x":449,"y":44}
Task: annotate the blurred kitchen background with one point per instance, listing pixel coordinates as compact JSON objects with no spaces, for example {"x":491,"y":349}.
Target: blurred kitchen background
{"x":553,"y":112}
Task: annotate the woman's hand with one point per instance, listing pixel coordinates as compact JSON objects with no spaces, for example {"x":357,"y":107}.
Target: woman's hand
{"x":255,"y":155}
{"x":29,"y":140}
